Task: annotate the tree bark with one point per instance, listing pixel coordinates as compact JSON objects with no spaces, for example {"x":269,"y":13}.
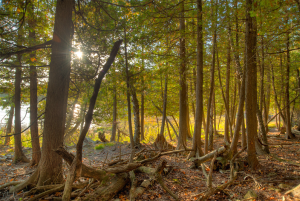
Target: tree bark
{"x":212,"y":83}
{"x":142,"y":109}
{"x":160,"y":141}
{"x":34,"y":131}
{"x":288,"y":134}
{"x":19,"y":156}
{"x":226,"y":133}
{"x":137,"y":126}
{"x":183,"y":127}
{"x":251,"y":80}
{"x":197,"y":151}
{"x":50,"y":165}
{"x":9,"y":125}
{"x":128,"y":93}
{"x":114,"y":123}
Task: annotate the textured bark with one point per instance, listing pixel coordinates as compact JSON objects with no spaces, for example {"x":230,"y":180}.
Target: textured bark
{"x":50,"y":165}
{"x":226,"y":134}
{"x":244,"y":139}
{"x":262,"y":130}
{"x":128,"y":93}
{"x":9,"y":124}
{"x":183,"y":127}
{"x":19,"y":156}
{"x":142,"y":110}
{"x":114,"y":123}
{"x":108,"y":191}
{"x":211,"y":125}
{"x":288,"y":134}
{"x":136,"y":119}
{"x":212,"y":84}
{"x":36,"y":150}
{"x":160,"y":142}
{"x":251,"y":80}
{"x":241,"y":76}
{"x":197,"y":151}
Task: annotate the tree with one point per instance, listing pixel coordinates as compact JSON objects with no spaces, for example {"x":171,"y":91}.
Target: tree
{"x":36,"y":150}
{"x":251,"y":80}
{"x":50,"y":166}
{"x":197,"y":151}
{"x":183,"y":127}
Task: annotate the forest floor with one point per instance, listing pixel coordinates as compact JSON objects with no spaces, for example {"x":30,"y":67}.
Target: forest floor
{"x":276,"y":174}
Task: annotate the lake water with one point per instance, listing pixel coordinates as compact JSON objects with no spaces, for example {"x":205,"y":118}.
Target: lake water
{"x":4,"y":116}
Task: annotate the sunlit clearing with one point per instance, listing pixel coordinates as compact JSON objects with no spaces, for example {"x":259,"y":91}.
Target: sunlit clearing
{"x":79,"y":54}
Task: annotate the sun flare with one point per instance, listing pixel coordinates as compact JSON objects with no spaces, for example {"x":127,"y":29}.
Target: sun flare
{"x":78,"y":54}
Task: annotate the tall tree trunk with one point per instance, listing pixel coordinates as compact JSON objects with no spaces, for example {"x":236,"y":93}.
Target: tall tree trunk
{"x":19,"y":155}
{"x":241,"y":76}
{"x":276,"y":99}
{"x":183,"y":127}
{"x":251,"y":80}
{"x":160,"y":142}
{"x":244,"y":138}
{"x":34,"y":131}
{"x":189,"y":135}
{"x":262,"y":130}
{"x":212,"y":124}
{"x":226,"y":133}
{"x":128,"y":93}
{"x":9,"y":125}
{"x":233,"y":106}
{"x":114,"y":123}
{"x":136,"y":119}
{"x":288,"y":134}
{"x":212,"y":83}
{"x":50,"y":165}
{"x":142,"y":106}
{"x":197,"y":151}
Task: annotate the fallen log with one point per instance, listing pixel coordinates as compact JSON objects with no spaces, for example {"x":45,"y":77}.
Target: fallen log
{"x":155,"y":174}
{"x":96,"y":174}
{"x":13,"y":183}
{"x":210,"y":155}
{"x":107,"y":192}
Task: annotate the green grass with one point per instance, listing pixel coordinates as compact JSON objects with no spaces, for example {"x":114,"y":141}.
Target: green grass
{"x":109,"y":144}
{"x":99,"y":146}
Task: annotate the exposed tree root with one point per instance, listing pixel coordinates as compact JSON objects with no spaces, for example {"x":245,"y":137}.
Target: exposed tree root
{"x":295,"y":191}
{"x":31,"y":182}
{"x":106,"y":192}
{"x":13,"y":183}
{"x":53,"y":190}
{"x":161,"y":143}
{"x":211,"y":191}
{"x":156,"y":175}
{"x":40,"y":189}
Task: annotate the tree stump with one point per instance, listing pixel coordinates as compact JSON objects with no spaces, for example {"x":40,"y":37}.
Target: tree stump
{"x":282,"y":130}
{"x":101,"y":137}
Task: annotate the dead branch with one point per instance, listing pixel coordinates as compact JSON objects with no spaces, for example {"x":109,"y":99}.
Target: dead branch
{"x":155,"y":174}
{"x":210,"y":155}
{"x":57,"y":189}
{"x":28,"y":49}
{"x":13,"y":183}
{"x":107,"y":192}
